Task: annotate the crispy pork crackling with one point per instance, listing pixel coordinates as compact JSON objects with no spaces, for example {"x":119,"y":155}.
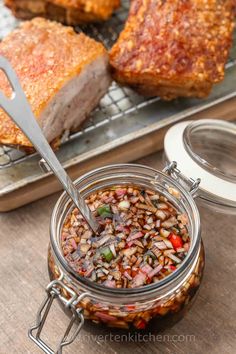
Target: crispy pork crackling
{"x":70,"y":12}
{"x":174,"y":48}
{"x":63,"y":74}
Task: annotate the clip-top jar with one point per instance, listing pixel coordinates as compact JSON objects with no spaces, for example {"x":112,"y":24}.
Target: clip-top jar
{"x":154,"y":306}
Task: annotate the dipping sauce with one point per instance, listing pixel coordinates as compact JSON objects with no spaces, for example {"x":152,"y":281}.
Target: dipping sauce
{"x":143,"y":238}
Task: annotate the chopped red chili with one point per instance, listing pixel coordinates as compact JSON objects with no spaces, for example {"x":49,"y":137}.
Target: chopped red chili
{"x":176,"y":241}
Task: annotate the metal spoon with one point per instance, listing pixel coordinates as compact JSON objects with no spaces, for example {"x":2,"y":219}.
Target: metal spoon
{"x":18,"y":108}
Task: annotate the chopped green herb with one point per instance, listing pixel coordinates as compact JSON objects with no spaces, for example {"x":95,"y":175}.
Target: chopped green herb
{"x":107,"y":254}
{"x":105,"y":211}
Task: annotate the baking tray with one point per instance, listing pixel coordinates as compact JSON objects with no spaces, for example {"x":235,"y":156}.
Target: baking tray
{"x":124,"y":127}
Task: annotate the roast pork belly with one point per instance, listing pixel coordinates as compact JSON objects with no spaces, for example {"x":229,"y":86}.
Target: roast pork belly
{"x":63,"y":74}
{"x":174,"y":48}
{"x":70,"y":12}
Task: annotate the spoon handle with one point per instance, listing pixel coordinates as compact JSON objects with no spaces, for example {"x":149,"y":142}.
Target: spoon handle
{"x":18,"y":108}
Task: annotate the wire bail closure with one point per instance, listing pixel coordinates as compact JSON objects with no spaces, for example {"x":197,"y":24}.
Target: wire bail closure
{"x":172,"y":170}
{"x":54,"y":291}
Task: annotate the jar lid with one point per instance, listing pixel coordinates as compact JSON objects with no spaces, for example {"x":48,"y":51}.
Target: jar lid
{"x":206,"y":149}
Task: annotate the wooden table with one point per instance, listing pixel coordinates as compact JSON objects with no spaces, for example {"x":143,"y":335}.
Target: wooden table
{"x":210,"y":326}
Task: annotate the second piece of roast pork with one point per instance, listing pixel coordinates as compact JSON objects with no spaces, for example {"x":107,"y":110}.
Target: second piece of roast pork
{"x":174,"y":48}
{"x":70,"y":12}
{"x":63,"y":74}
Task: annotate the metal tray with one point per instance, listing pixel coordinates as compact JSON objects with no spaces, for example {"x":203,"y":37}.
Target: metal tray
{"x":122,"y":117}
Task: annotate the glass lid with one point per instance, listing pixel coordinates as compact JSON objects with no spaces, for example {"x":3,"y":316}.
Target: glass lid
{"x":206,"y":149}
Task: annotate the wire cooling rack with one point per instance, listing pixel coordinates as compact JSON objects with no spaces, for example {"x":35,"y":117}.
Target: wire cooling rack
{"x":118,"y":103}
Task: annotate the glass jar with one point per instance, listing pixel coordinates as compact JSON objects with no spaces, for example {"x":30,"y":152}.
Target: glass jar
{"x":159,"y":305}
{"x":153,"y":306}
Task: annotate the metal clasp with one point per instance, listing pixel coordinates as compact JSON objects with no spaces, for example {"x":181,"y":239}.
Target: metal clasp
{"x":172,"y":170}
{"x":54,"y":291}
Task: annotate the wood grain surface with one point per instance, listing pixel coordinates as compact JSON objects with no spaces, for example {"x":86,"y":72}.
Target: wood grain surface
{"x":209,"y":327}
